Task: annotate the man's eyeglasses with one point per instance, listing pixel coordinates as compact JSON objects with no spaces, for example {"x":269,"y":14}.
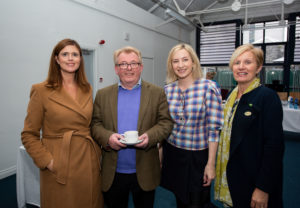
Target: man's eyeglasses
{"x":126,"y":65}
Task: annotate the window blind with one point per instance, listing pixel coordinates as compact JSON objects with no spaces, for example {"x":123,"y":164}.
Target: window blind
{"x":297,"y":41}
{"x":217,"y":44}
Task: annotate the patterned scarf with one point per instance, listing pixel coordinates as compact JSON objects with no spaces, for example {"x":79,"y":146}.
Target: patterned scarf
{"x":221,"y":187}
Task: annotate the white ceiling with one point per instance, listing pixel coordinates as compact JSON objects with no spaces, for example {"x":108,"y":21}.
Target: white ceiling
{"x":208,"y":11}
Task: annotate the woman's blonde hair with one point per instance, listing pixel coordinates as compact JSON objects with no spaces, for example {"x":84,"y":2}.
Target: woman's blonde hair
{"x":257,"y":52}
{"x":197,"y":71}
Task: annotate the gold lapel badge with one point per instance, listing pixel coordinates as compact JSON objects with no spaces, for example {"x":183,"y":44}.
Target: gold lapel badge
{"x":247,"y":113}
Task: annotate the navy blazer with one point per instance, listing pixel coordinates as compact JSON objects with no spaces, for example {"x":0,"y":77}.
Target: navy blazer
{"x":256,"y":148}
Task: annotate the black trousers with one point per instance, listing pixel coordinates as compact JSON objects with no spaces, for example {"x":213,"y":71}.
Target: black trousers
{"x":117,"y":195}
{"x":197,"y":200}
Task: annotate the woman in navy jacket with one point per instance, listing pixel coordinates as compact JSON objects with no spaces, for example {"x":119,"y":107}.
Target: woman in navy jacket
{"x":250,"y":152}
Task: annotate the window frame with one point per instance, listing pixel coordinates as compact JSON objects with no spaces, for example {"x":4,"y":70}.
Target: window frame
{"x":289,"y":46}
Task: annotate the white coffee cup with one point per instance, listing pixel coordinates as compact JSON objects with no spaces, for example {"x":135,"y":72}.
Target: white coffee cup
{"x":131,"y":136}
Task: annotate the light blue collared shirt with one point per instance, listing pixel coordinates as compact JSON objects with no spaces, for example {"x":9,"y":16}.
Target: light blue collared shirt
{"x":135,"y":86}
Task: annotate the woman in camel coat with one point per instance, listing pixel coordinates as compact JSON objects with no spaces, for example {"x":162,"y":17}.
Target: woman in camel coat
{"x":68,"y":158}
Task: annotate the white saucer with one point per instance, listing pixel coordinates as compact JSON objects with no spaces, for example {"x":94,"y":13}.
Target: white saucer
{"x":130,"y":143}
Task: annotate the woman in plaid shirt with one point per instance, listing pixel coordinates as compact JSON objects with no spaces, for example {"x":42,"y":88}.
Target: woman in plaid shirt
{"x":189,"y":153}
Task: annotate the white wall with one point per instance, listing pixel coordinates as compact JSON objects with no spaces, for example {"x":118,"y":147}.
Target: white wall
{"x":31,"y":28}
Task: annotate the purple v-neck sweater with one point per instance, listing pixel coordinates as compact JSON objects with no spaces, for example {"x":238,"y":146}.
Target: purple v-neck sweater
{"x":128,"y":113}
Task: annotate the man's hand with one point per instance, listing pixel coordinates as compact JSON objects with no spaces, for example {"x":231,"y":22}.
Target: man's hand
{"x":145,"y":141}
{"x":114,"y":142}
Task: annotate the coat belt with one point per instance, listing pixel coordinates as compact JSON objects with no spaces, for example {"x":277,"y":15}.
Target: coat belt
{"x":64,"y":157}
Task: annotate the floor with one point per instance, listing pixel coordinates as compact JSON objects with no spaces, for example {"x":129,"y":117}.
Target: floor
{"x":165,"y":199}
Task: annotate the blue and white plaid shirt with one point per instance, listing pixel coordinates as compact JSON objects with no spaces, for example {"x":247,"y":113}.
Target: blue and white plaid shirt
{"x":197,"y":113}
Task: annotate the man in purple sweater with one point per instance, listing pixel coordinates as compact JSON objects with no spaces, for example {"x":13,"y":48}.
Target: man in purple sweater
{"x":131,"y":104}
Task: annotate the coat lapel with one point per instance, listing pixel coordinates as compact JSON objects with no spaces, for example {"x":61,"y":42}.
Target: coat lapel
{"x":145,"y":99}
{"x":84,"y":98}
{"x":245,"y":114}
{"x":114,"y":106}
{"x":63,"y":98}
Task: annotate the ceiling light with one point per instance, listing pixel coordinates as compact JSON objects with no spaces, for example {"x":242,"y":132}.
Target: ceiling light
{"x":288,"y":1}
{"x":236,"y":5}
{"x":179,"y":17}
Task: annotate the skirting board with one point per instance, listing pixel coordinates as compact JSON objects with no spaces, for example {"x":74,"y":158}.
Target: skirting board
{"x":7,"y":172}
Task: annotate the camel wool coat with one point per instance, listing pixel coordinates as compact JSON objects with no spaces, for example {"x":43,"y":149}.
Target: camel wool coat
{"x":65,"y":127}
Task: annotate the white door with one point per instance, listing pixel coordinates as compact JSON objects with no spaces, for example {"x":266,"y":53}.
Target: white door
{"x":88,"y":56}
{"x":148,"y":71}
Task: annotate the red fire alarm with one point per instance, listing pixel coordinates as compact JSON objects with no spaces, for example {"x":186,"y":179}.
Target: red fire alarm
{"x":102,"y":42}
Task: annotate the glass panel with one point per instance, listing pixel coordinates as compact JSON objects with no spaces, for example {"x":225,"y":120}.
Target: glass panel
{"x":295,"y":78}
{"x":225,"y":78}
{"x":275,"y":54}
{"x":274,"y":77}
{"x":253,"y":34}
{"x":273,"y":73}
{"x":275,"y":33}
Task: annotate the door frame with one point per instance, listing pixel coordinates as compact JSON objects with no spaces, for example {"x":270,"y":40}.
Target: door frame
{"x":94,"y":51}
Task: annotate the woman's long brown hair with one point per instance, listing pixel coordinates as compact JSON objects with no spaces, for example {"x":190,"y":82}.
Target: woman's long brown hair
{"x":54,"y":79}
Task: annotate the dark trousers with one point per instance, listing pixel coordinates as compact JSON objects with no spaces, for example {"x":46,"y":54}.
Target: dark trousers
{"x":196,"y":200}
{"x":117,"y":195}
